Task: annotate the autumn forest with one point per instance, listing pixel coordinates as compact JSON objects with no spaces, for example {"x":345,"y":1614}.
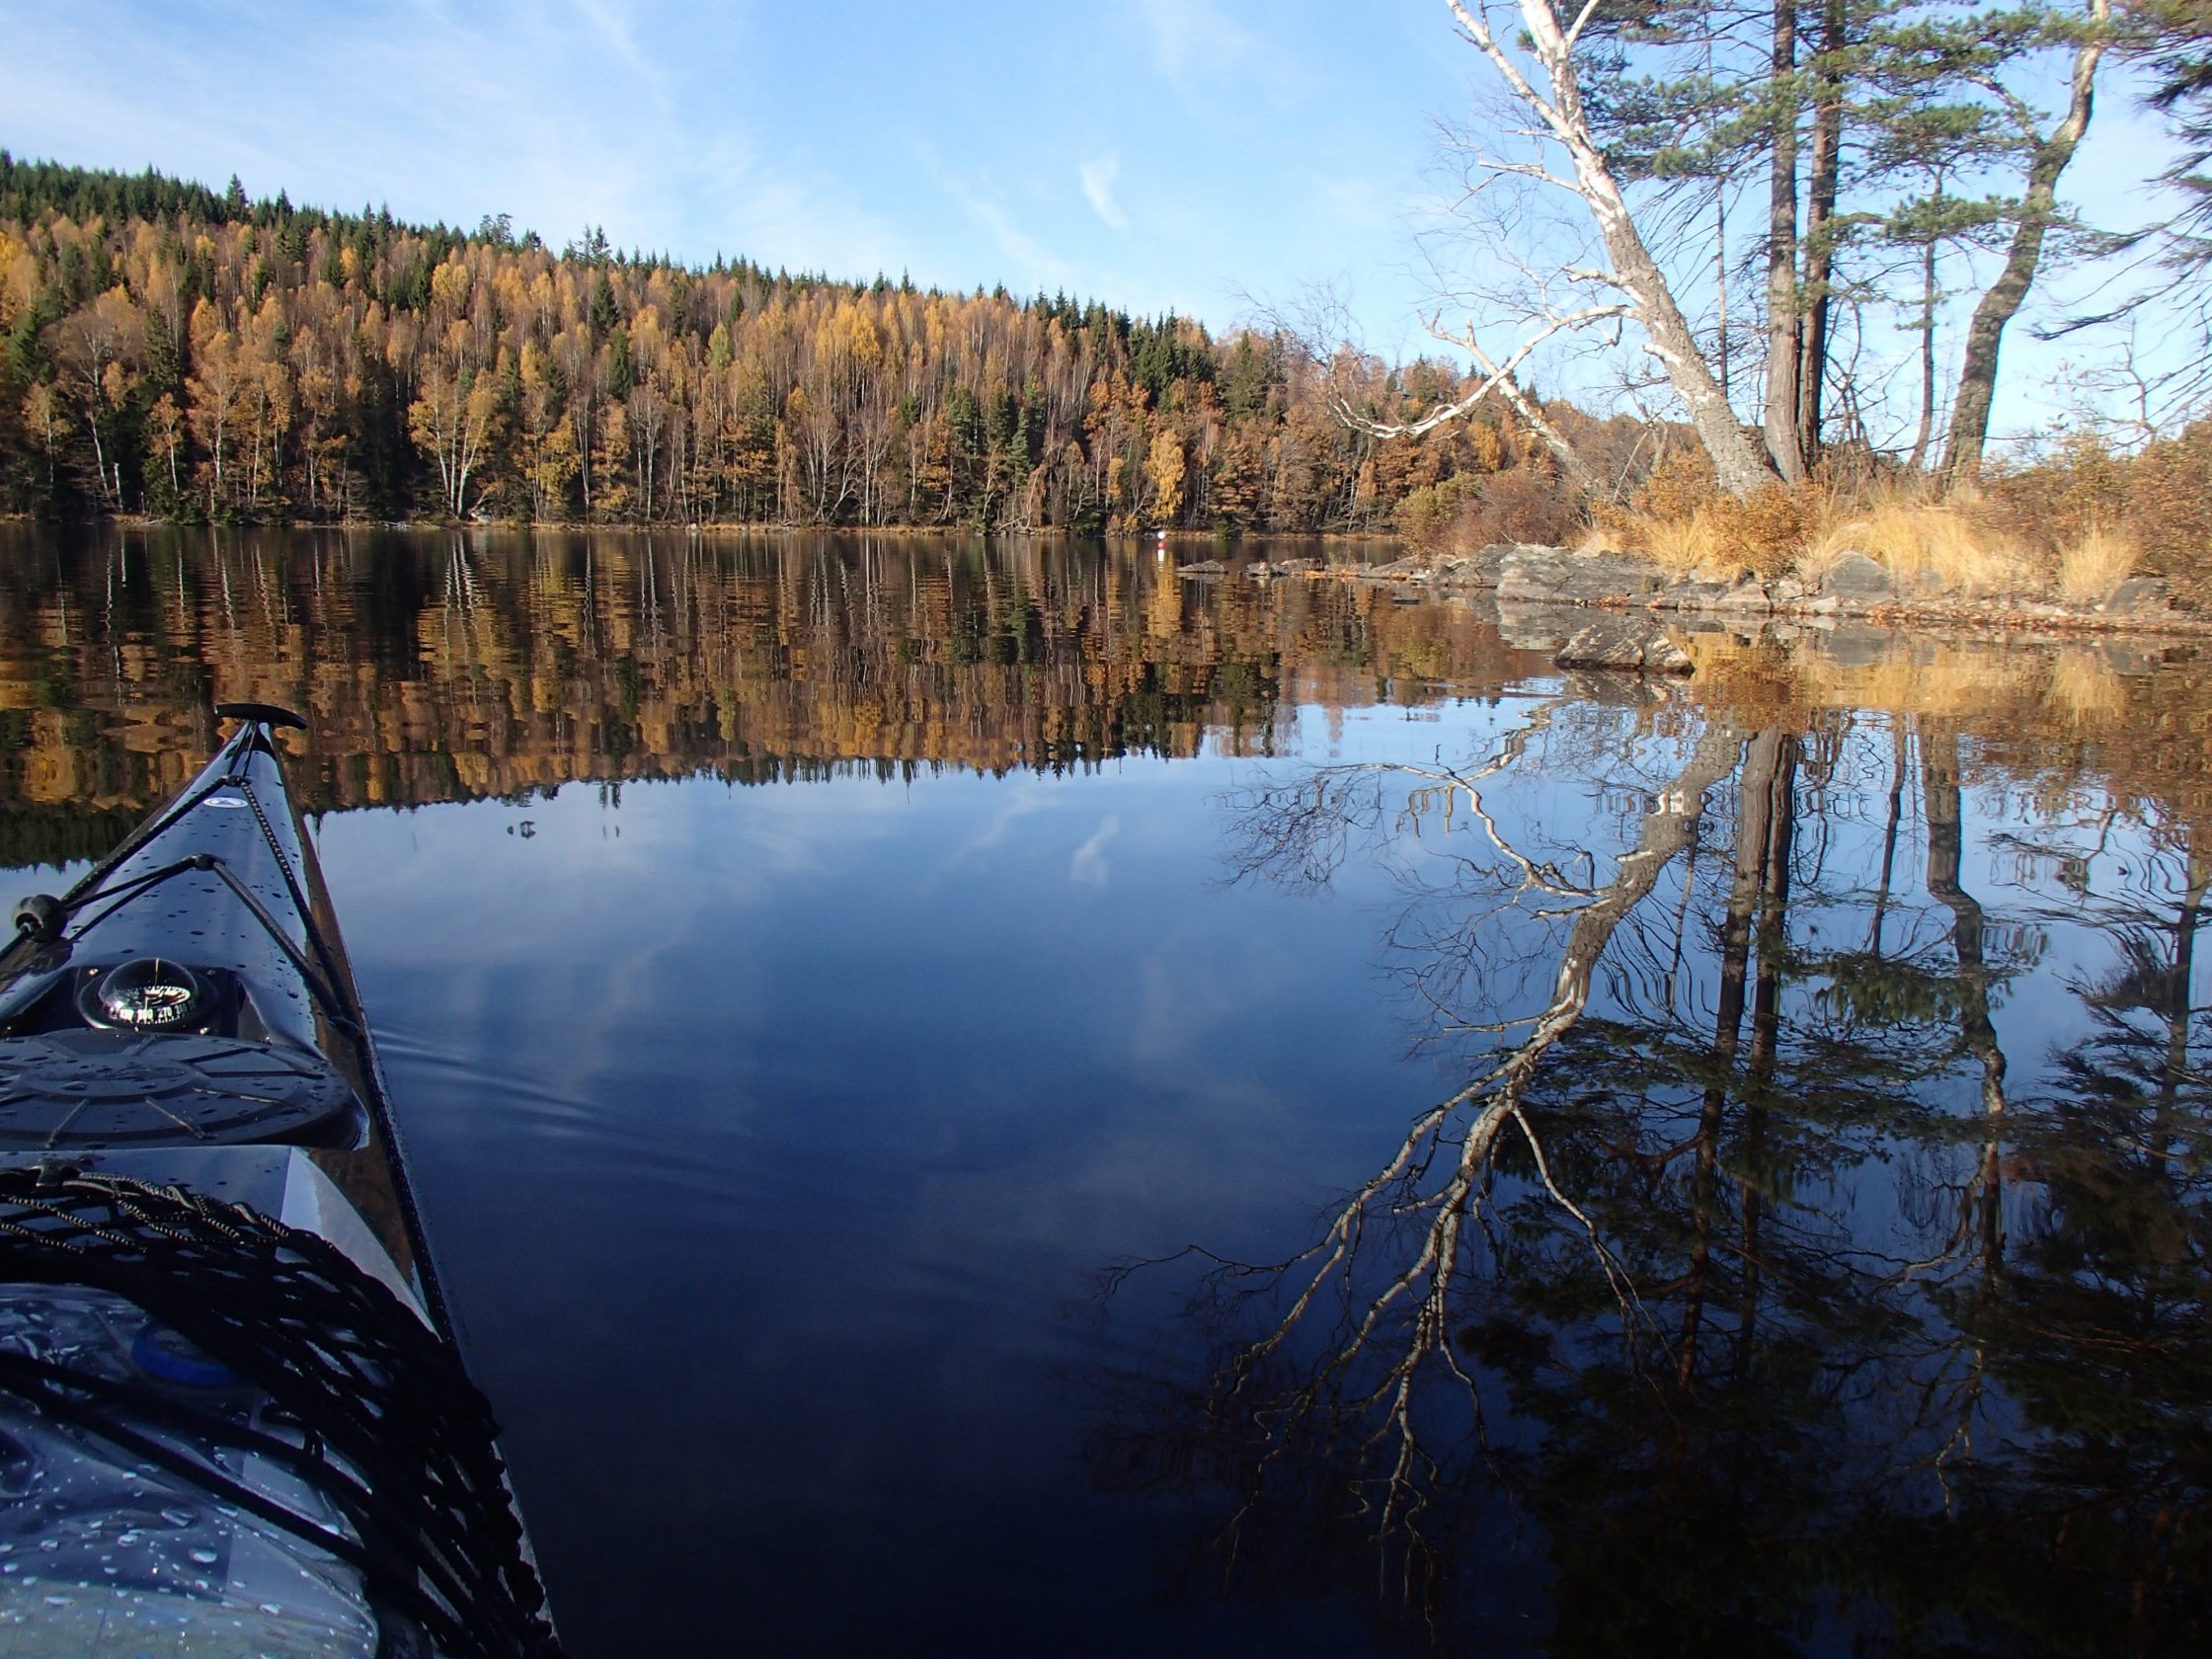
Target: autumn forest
{"x":180,"y":352}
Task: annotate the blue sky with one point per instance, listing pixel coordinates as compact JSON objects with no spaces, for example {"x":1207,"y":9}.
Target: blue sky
{"x":1156,"y":154}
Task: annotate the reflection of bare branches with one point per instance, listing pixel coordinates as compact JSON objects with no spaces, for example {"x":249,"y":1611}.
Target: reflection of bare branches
{"x":1297,"y":834}
{"x":1300,"y":834}
{"x":1636,"y":1283}
{"x":1389,"y":1339}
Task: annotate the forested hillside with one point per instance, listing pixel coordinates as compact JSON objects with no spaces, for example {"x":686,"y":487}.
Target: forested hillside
{"x":181,"y":353}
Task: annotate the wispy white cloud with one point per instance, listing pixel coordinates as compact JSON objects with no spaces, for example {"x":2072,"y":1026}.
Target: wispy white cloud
{"x":1099,"y":175}
{"x":446,"y":111}
{"x":1195,"y":43}
{"x":782,"y":212}
{"x":1039,"y":267}
{"x":694,"y":131}
{"x":614,"y":25}
{"x":1191,"y":36}
{"x":1363,"y":204}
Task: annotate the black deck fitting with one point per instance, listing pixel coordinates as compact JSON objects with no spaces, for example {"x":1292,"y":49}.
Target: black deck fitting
{"x":269,"y":714}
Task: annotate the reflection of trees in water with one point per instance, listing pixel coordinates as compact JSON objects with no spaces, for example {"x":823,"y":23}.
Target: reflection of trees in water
{"x":1743,"y":1294}
{"x":441,"y":666}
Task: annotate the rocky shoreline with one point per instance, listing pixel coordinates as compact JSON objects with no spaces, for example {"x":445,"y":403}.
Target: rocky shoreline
{"x":1648,"y":607}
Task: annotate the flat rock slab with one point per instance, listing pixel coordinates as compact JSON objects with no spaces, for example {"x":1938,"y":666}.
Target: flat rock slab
{"x":1694,"y":594}
{"x":1550,"y":573}
{"x":1475,"y":570}
{"x":1627,"y":645}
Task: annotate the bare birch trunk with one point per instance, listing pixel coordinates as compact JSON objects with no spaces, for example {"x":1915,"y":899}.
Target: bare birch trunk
{"x":1636,"y":274}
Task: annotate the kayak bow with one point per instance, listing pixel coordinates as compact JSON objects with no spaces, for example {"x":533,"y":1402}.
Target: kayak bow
{"x":233,"y":1410}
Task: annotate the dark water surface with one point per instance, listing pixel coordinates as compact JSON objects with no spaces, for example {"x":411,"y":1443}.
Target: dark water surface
{"x":991,"y":1100}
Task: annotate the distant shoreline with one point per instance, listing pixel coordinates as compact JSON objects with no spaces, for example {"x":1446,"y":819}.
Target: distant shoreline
{"x":1602,"y":586}
{"x":720,"y":527}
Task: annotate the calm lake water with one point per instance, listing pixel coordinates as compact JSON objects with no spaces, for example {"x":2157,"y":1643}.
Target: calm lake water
{"x":989,"y":1099}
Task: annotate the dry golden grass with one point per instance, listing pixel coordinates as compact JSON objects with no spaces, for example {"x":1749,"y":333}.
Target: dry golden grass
{"x":1684,"y":524}
{"x":2040,"y":532}
{"x":1684,"y":546}
{"x":1951,"y":543}
{"x":2094,"y":563}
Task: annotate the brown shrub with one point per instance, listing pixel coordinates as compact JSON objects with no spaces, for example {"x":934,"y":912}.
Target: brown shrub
{"x":2159,"y":500}
{"x":1765,"y":531}
{"x":1681,"y":483}
{"x":1718,"y":534}
{"x":2169,"y":511}
{"x":1666,"y":518}
{"x":1428,"y":519}
{"x":1524,"y":504}
{"x":2081,"y":485}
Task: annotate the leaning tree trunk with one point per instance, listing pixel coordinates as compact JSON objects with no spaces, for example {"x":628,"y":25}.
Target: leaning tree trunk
{"x":1977,"y":375}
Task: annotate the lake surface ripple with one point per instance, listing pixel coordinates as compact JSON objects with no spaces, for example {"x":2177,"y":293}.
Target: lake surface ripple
{"x":988,"y":1098}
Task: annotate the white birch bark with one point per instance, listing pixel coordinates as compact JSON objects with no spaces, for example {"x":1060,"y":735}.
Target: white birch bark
{"x":1648,"y":295}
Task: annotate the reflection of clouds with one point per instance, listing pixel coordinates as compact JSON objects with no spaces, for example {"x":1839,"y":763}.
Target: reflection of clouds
{"x":1088,"y":866}
{"x":1025,"y":802}
{"x":778,"y":834}
{"x":1182,"y":1006}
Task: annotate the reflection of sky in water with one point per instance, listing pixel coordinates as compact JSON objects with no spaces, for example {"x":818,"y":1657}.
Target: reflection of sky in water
{"x":772,"y":1136}
{"x":803,"y":1112}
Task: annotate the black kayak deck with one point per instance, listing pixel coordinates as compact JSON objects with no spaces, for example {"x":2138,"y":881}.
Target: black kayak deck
{"x":184,"y":991}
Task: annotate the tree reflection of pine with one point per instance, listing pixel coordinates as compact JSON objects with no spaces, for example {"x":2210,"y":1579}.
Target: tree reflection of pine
{"x":1665,"y":1336}
{"x":442,"y":667}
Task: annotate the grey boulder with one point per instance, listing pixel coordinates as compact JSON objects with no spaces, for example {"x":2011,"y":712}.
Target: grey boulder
{"x":1854,"y":575}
